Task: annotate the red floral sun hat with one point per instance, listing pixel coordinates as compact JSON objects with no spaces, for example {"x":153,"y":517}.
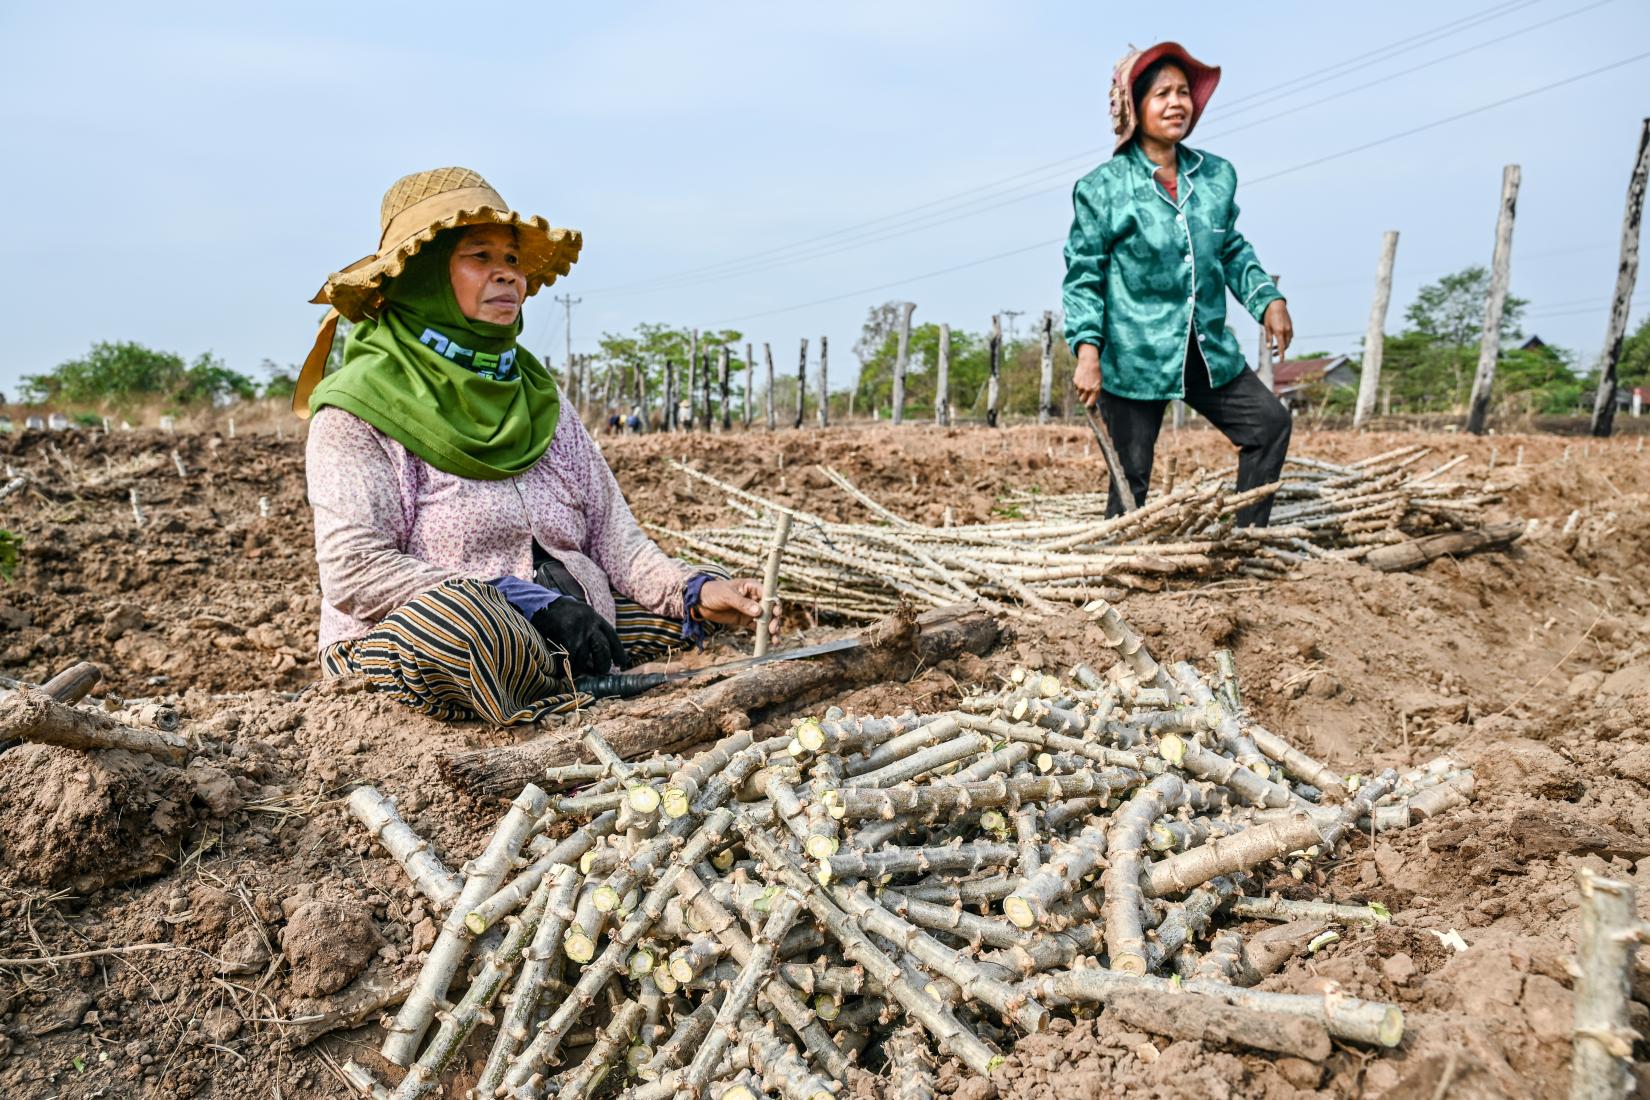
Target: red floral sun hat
{"x":1202,"y":78}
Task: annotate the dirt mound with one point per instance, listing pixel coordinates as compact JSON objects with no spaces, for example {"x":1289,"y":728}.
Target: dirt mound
{"x":243,"y":872}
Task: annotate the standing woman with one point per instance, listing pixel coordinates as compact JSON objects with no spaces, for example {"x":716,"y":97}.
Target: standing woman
{"x":1154,"y":246}
{"x":474,"y":550}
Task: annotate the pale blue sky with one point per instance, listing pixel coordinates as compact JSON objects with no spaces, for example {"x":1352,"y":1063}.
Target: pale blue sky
{"x":186,"y":175}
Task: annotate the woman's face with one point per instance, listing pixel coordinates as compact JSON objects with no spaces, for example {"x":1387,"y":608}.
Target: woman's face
{"x":1166,"y":106}
{"x":487,"y":277}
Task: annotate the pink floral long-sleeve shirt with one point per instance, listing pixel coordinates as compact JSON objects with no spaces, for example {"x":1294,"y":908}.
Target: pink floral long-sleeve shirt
{"x":389,"y":526}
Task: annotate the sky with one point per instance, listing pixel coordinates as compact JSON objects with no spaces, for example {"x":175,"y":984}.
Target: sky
{"x":186,"y":176}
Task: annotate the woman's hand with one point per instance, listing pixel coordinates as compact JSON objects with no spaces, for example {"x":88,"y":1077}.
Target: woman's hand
{"x":1280,"y":330}
{"x":734,"y":603}
{"x":1087,"y":376}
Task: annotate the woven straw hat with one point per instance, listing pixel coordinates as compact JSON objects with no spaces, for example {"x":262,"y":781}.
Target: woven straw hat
{"x":415,"y":209}
{"x":419,"y":206}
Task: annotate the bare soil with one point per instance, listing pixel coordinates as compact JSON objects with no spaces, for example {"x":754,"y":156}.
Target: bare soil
{"x":258,"y":897}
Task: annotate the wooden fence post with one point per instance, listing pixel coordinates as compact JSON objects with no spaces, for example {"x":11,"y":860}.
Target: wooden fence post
{"x":704,"y":386}
{"x":1045,"y":389}
{"x":994,"y":385}
{"x":901,"y":359}
{"x":801,"y":383}
{"x":750,"y":378}
{"x":1489,"y":343}
{"x":942,"y":379}
{"x":824,"y":386}
{"x":693,"y":379}
{"x":669,"y":420}
{"x":1263,"y":365}
{"x":1369,"y":376}
{"x":727,"y":403}
{"x":767,"y":353}
{"x":1627,"y":273}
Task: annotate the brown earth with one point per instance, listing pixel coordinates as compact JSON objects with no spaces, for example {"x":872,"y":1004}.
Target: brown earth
{"x":258,"y":896}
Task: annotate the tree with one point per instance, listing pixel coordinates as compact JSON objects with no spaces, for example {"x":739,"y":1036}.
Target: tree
{"x":881,"y":322}
{"x":114,"y":375}
{"x":279,"y":381}
{"x":1449,"y":314}
{"x":1634,"y":367}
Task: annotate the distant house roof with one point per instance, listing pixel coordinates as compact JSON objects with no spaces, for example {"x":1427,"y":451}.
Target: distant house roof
{"x":1534,"y":343}
{"x":1294,"y":373}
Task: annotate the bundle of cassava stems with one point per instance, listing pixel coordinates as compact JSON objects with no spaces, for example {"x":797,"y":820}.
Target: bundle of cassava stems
{"x":1050,"y":552}
{"x":871,"y":894}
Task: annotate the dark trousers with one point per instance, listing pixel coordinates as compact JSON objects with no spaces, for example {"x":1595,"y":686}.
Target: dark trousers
{"x":1243,"y":409}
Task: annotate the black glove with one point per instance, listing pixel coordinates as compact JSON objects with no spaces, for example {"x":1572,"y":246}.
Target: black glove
{"x":591,"y":643}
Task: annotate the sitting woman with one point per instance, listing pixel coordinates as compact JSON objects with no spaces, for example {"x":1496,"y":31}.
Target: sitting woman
{"x":475,"y":552}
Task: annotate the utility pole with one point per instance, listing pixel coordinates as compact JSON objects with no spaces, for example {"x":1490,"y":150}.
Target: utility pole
{"x":942,"y":379}
{"x":568,"y":302}
{"x":994,"y":383}
{"x":1627,"y":273}
{"x":1011,"y":314}
{"x":1369,"y":378}
{"x":1489,"y":343}
{"x":902,"y":359}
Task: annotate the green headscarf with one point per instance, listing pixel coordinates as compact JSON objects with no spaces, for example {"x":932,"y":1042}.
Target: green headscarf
{"x":460,"y":394}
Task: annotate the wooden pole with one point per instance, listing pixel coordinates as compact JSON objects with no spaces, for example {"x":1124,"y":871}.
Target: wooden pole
{"x":767,"y":354}
{"x":693,"y":378}
{"x":1627,"y":273}
{"x":901,"y":359}
{"x":750,"y":383}
{"x":824,"y":386}
{"x":727,"y":404}
{"x":1045,"y":387}
{"x":994,"y":384}
{"x":670,"y":396}
{"x":801,"y":383}
{"x":705,"y":391}
{"x":641,"y":395}
{"x":1263,"y":365}
{"x":1489,"y":343}
{"x":942,"y":380}
{"x":1369,"y":380}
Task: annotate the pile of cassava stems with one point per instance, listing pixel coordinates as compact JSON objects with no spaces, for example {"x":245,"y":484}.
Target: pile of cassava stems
{"x":770,"y":917}
{"x":1057,"y":552}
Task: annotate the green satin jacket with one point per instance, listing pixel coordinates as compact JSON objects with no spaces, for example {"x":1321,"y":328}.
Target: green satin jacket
{"x":1145,"y":275}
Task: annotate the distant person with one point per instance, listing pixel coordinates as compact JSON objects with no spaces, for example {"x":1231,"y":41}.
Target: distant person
{"x":474,"y":548}
{"x":1154,"y":247}
{"x":634,"y":423}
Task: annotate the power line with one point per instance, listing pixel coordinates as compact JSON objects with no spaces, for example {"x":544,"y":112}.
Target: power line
{"x":1257,"y":180}
{"x":737,"y":269}
{"x":1064,"y":164}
